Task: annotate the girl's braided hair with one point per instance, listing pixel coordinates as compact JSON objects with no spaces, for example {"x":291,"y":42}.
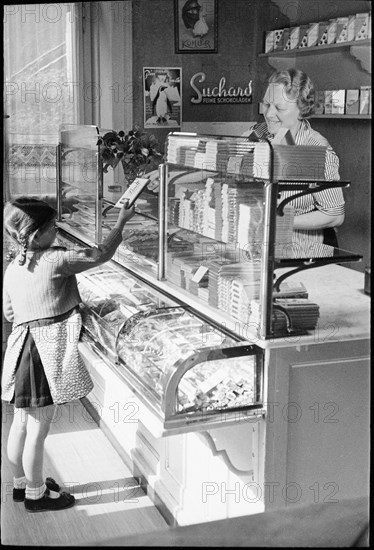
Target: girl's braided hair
{"x":23,"y":217}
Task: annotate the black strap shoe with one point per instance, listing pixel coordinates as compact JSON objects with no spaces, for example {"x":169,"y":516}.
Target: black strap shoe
{"x":19,"y":494}
{"x":46,"y":503}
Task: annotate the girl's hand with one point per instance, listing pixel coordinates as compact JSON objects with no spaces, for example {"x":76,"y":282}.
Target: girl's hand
{"x":125,"y":214}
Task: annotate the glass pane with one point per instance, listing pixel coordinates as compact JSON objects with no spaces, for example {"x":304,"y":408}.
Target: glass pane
{"x":215,"y":222}
{"x":153,"y":345}
{"x":218,"y":385}
{"x":110,"y":298}
{"x":40,"y":72}
{"x":79,"y":177}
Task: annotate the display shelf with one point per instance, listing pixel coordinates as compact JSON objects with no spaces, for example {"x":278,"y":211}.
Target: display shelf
{"x":342,"y":116}
{"x":316,"y":49}
{"x":359,"y":49}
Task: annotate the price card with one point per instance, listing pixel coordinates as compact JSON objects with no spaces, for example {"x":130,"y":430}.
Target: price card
{"x":132,"y":192}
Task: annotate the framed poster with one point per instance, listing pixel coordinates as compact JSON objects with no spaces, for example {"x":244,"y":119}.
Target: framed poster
{"x":162,"y":97}
{"x":195,"y":26}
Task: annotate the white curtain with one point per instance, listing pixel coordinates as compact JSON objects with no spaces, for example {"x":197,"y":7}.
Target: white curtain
{"x":40,"y":92}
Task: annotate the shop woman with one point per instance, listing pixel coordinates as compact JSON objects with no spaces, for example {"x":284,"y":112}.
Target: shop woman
{"x":287,"y":103}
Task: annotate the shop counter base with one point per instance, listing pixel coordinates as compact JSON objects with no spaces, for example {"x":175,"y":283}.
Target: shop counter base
{"x":311,"y":446}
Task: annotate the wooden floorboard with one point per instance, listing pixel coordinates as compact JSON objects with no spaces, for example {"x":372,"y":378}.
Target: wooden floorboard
{"x":109,"y":504}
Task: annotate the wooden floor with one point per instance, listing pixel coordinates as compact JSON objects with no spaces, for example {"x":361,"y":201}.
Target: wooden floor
{"x":109,"y":502}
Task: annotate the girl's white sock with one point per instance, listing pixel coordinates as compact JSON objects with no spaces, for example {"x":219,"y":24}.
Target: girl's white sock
{"x":19,"y":482}
{"x":35,"y":494}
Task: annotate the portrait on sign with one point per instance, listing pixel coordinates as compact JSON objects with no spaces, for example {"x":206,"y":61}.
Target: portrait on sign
{"x":195,"y":26}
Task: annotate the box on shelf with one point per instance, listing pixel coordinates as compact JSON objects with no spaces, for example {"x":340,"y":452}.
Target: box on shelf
{"x":365,"y":100}
{"x":313,"y":34}
{"x":283,"y":42}
{"x":351,"y":29}
{"x":287,"y":42}
{"x":342,"y":29}
{"x":362,"y":26}
{"x":269,"y":41}
{"x":338,"y":102}
{"x":319,"y":102}
{"x":303,"y":37}
{"x":352,"y":102}
{"x":278,"y":33}
{"x":369,"y":26}
{"x":331,"y":31}
{"x":296,"y":35}
{"x":328,"y":102}
{"x":322,"y":33}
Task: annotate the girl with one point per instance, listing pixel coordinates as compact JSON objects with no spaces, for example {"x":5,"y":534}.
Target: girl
{"x":42,"y":366}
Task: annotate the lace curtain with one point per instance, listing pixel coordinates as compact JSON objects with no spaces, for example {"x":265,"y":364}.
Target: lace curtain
{"x":40,"y":92}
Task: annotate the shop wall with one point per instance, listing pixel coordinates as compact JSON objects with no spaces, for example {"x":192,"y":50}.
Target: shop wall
{"x":241,"y":25}
{"x":241,"y":28}
{"x":351,"y":138}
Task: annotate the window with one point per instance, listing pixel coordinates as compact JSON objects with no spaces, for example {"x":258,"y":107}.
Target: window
{"x":40,"y":91}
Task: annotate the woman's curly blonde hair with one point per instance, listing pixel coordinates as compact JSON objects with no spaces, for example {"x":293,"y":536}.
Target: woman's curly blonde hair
{"x":298,"y":86}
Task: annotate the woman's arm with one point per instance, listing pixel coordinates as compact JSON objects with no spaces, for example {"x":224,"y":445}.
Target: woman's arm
{"x":317,"y":220}
{"x":329,"y":203}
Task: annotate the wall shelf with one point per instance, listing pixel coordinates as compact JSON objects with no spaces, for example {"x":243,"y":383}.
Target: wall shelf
{"x":359,"y":49}
{"x":359,"y":117}
{"x":316,"y":49}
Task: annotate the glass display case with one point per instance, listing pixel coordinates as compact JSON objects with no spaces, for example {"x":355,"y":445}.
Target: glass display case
{"x":188,"y":370}
{"x":194,"y":288}
{"x":215,"y":233}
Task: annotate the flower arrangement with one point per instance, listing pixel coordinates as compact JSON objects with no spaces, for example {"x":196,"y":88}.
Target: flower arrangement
{"x":138,"y":152}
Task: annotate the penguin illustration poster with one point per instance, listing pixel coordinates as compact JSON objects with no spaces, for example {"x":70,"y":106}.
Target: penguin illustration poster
{"x":195,"y":26}
{"x":162,"y":97}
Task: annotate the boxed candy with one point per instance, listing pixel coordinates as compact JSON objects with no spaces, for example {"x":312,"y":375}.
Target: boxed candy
{"x":332,"y":31}
{"x":365,"y":100}
{"x":352,"y":98}
{"x":351,"y":30}
{"x":328,"y":102}
{"x":269,"y":41}
{"x":296,"y":36}
{"x":303,"y":38}
{"x":338,"y":101}
{"x":314,"y":33}
{"x":319,"y":102}
{"x":342,"y":29}
{"x":281,"y":38}
{"x":278,"y":42}
{"x":322,"y":33}
{"x":362,"y":29}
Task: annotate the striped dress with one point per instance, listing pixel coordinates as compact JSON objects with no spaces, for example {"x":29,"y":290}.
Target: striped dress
{"x":329,"y":201}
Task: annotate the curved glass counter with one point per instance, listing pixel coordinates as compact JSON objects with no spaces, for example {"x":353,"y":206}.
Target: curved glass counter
{"x":186,"y":369}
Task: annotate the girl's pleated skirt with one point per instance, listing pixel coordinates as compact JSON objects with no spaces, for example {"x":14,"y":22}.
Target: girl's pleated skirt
{"x":31,"y":387}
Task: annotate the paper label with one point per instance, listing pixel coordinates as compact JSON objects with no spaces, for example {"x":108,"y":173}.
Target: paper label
{"x":201,"y":271}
